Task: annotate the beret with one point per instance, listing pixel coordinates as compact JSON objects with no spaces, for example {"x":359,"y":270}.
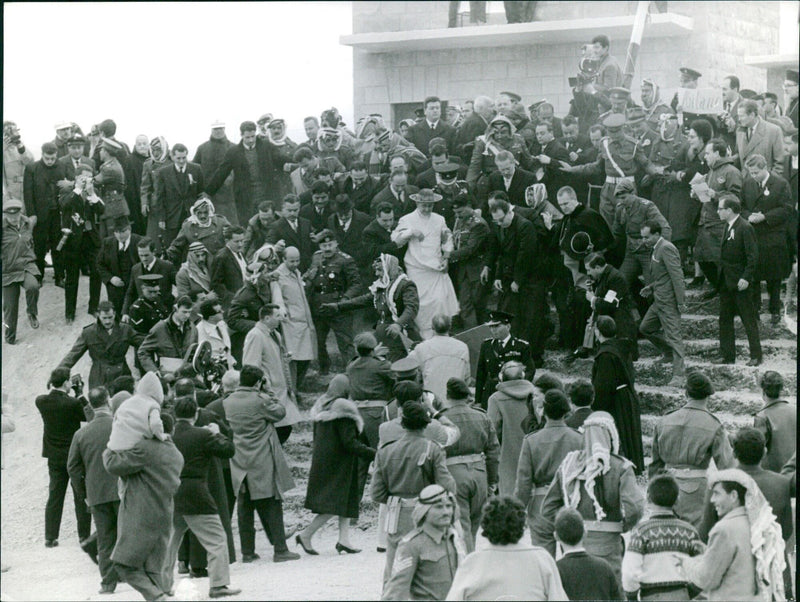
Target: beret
{"x":698,"y":385}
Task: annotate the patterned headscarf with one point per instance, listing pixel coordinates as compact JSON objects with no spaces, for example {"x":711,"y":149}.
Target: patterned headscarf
{"x":766,"y":540}
{"x":203,"y":200}
{"x":197,"y":269}
{"x":161,"y":143}
{"x":600,"y":440}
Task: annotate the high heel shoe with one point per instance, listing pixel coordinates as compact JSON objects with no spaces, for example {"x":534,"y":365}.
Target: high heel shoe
{"x":307,"y":549}
{"x":343,"y":548}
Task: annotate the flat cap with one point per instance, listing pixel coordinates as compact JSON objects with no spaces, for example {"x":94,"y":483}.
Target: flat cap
{"x":365,"y":340}
{"x":12,"y":205}
{"x":513,"y":96}
{"x":614,"y":121}
{"x":690,"y":73}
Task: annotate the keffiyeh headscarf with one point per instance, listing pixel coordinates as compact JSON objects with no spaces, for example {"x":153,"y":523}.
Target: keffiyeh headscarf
{"x":766,"y":540}
{"x":325,"y":132}
{"x":367,"y":128}
{"x":202,"y":201}
{"x":159,"y":149}
{"x":197,"y":269}
{"x":385,"y":285}
{"x":600,"y":440}
{"x":280,"y":139}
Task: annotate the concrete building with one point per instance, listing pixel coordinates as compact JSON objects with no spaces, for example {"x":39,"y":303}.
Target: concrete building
{"x":403,"y":51}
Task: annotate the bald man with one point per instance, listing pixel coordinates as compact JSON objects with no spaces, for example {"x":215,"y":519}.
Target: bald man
{"x":298,"y":327}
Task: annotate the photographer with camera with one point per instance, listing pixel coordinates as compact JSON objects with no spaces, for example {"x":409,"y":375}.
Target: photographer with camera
{"x":62,"y":414}
{"x":81,"y":209}
{"x":15,"y":157}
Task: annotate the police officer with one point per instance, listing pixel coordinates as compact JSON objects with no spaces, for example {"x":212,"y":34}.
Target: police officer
{"x":684,"y":441}
{"x":495,"y":352}
{"x":403,"y":468}
{"x":427,"y":558}
{"x":620,"y":157}
{"x":332,"y":277}
{"x":149,"y":308}
{"x":449,"y":187}
{"x":473,"y":459}
{"x":470,"y":235}
{"x":110,"y":184}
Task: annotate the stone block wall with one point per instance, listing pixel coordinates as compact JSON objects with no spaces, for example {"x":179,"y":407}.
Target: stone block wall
{"x":724,"y":32}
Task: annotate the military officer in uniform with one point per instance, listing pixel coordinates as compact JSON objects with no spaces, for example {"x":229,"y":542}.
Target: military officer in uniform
{"x":427,"y":558}
{"x":473,"y":459}
{"x":684,"y":441}
{"x":470,"y":235}
{"x":107,"y":343}
{"x":495,"y":352}
{"x":620,"y":157}
{"x":149,"y":308}
{"x":639,"y":129}
{"x":449,"y":187}
{"x":688,"y":81}
{"x":332,"y":277}
{"x":619,"y":97}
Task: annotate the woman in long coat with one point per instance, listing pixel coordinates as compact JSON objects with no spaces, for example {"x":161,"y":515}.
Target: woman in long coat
{"x":333,"y":483}
{"x":614,"y":391}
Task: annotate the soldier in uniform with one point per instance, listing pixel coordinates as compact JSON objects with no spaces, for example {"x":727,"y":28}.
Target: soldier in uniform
{"x":448,"y":186}
{"x":110,"y":184}
{"x":473,"y":459}
{"x":688,"y":81}
{"x":427,"y":558}
{"x":495,"y":352}
{"x":470,"y":235}
{"x":620,"y":99}
{"x":684,"y":441}
{"x":639,"y":129}
{"x":149,"y":308}
{"x":332,"y":277}
{"x":620,"y":157}
{"x":107,"y":343}
{"x":403,"y":468}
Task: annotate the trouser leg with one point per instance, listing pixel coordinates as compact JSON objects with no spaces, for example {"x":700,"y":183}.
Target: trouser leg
{"x":322,"y":327}
{"x":749,"y":318}
{"x":342,"y":326}
{"x":477,"y":12}
{"x":383,"y":536}
{"x":198,"y":559}
{"x":82,"y":515}
{"x":710,"y":270}
{"x":105,"y":520}
{"x":452,"y":13}
{"x":31,"y":286}
{"x":607,"y":203}
{"x":607,"y":546}
{"x":179,"y":529}
{"x":727,"y":311}
{"x":650,"y":326}
{"x":54,"y":236}
{"x":147,"y":584}
{"x":300,"y":369}
{"x":245,"y":513}
{"x":95,"y":283}
{"x":535,"y":297}
{"x":116,"y":294}
{"x":273,"y":520}
{"x":11,"y":310}
{"x":40,"y":241}
{"x":183,"y":549}
{"x":670,"y":319}
{"x":59,"y":479}
{"x":209,"y":532}
{"x":73,"y":273}
{"x":774,"y":290}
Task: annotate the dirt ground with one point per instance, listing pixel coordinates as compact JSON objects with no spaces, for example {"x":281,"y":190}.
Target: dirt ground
{"x":66,"y":573}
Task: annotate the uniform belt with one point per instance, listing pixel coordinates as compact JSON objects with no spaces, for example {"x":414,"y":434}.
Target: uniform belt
{"x":617,"y":180}
{"x":695,"y":473}
{"x":466,"y":459}
{"x":404,"y":502}
{"x":542,"y":490}
{"x":370,"y":403}
{"x":605,"y":526}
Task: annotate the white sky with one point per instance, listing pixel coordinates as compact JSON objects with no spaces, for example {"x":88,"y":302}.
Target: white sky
{"x":171,"y":69}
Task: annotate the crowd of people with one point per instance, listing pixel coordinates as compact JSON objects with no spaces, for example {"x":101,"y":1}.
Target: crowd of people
{"x":227,"y":273}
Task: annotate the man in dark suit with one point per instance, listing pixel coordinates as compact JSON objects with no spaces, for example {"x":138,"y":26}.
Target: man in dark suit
{"x":737,"y":272}
{"x":252,"y":162}
{"x":90,"y":478}
{"x":551,"y":152}
{"x":319,"y":210}
{"x":40,"y":189}
{"x":510,"y":179}
{"x":360,"y":186}
{"x":62,"y":415}
{"x":475,"y":125}
{"x":348,"y":226}
{"x":397,"y":193}
{"x":118,"y":254}
{"x":195,"y":508}
{"x":432,"y":126}
{"x":74,"y":160}
{"x":148,"y":264}
{"x":177,"y":188}
{"x":378,"y":234}
{"x":471,"y":236}
{"x":228,"y":266}
{"x":293,"y":230}
{"x":756,"y":136}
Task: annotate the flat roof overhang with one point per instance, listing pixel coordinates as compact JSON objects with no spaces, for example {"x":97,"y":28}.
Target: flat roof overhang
{"x":659,"y":25}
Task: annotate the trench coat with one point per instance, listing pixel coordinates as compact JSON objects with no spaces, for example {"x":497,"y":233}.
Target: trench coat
{"x":150,"y":474}
{"x":107,"y":350}
{"x":334,"y":486}
{"x":507,"y":408}
{"x":259,"y":456}
{"x":266,"y":350}
{"x":298,"y":330}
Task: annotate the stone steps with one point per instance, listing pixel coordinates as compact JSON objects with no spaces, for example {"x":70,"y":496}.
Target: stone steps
{"x":708,"y":349}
